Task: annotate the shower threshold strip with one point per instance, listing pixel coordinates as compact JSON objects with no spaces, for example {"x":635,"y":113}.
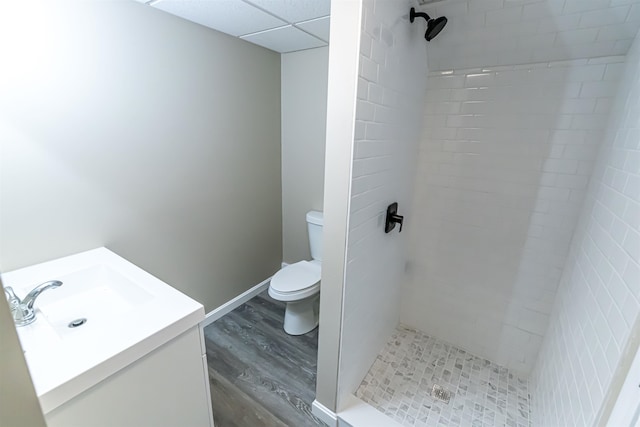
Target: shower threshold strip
{"x":417,"y":380}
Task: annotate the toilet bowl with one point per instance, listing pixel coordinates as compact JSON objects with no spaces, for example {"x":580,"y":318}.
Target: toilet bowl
{"x":298,"y":284}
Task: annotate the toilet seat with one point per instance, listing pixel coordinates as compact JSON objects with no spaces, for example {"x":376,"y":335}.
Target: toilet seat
{"x":296,"y":281}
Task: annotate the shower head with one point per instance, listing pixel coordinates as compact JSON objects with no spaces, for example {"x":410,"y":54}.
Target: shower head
{"x":434,"y":26}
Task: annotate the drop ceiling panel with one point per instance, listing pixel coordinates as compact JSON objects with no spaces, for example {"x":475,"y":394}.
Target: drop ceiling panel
{"x":284,"y":39}
{"x":233,"y":17}
{"x":295,"y":10}
{"x":318,"y":27}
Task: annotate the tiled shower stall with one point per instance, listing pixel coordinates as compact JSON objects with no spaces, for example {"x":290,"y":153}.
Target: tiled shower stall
{"x":516,"y":280}
{"x":504,"y":164}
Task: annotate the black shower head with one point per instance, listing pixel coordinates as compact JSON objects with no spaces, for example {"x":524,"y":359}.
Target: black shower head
{"x":434,"y":26}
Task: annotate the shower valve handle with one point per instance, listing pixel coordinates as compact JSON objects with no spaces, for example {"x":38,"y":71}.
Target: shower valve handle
{"x":398,"y":219}
{"x":393,"y":218}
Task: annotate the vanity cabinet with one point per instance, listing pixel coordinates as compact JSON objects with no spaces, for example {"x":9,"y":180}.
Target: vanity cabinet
{"x":168,"y":387}
{"x":113,"y":345}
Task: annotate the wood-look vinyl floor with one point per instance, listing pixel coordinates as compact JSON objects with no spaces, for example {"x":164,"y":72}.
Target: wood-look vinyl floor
{"x":259,"y":375}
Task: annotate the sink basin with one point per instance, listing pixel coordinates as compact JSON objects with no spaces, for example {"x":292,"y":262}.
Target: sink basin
{"x":98,"y":294}
{"x":127,"y":313}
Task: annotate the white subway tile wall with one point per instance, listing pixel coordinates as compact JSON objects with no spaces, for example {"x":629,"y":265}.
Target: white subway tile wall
{"x":391,"y":90}
{"x":599,"y":295}
{"x":503,"y":168}
{"x":507,"y":32}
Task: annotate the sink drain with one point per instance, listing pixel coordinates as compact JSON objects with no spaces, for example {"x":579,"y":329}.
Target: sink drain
{"x":77,"y":322}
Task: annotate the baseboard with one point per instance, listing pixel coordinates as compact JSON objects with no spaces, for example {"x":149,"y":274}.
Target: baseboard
{"x":324,"y":414}
{"x":231,"y":305}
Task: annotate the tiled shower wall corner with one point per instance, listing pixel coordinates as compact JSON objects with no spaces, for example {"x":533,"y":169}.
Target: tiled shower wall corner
{"x":389,"y":104}
{"x":598,"y":298}
{"x":504,"y":163}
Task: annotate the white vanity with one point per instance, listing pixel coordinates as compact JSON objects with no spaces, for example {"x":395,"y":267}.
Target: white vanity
{"x":138,"y":358}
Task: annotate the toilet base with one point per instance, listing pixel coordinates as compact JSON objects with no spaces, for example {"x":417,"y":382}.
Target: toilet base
{"x":301,"y":317}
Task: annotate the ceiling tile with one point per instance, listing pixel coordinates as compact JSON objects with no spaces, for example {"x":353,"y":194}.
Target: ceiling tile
{"x":284,"y":39}
{"x":229,"y":16}
{"x":318,"y":27}
{"x":295,"y":10}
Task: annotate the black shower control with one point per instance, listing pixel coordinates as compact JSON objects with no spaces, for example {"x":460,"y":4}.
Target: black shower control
{"x":393,"y":218}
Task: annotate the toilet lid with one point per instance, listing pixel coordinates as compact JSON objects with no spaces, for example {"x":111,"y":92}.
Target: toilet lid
{"x":296,"y":277}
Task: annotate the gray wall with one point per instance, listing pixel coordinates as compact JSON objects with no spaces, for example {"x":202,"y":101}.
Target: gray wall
{"x":304,"y":114}
{"x":126,"y":127}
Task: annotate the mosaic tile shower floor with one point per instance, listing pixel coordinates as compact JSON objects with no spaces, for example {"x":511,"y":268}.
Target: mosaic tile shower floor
{"x":483,"y":394}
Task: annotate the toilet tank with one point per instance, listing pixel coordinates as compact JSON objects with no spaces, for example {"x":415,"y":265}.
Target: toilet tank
{"x":314,"y":228}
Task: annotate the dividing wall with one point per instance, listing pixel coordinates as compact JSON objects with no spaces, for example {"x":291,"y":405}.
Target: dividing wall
{"x":390,"y":91}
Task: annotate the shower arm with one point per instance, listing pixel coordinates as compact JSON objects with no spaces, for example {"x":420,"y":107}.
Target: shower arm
{"x":413,"y":14}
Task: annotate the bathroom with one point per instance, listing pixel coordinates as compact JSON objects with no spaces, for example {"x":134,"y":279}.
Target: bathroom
{"x":131,"y":88}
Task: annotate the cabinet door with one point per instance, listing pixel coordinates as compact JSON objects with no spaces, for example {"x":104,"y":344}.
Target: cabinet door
{"x":166,"y":388}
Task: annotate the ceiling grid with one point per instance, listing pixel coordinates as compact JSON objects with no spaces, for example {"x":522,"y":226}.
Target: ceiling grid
{"x":280,"y":25}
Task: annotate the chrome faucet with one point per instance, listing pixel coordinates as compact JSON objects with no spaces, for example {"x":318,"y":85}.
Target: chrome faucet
{"x":22,"y":311}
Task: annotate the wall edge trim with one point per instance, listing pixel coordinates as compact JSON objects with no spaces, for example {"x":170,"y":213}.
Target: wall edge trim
{"x":234,"y":303}
{"x":325,"y":414}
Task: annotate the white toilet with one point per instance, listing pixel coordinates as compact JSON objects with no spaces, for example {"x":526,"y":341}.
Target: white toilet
{"x":299,"y":284}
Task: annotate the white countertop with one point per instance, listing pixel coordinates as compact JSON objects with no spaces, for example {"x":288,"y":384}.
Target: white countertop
{"x":129,"y":314}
